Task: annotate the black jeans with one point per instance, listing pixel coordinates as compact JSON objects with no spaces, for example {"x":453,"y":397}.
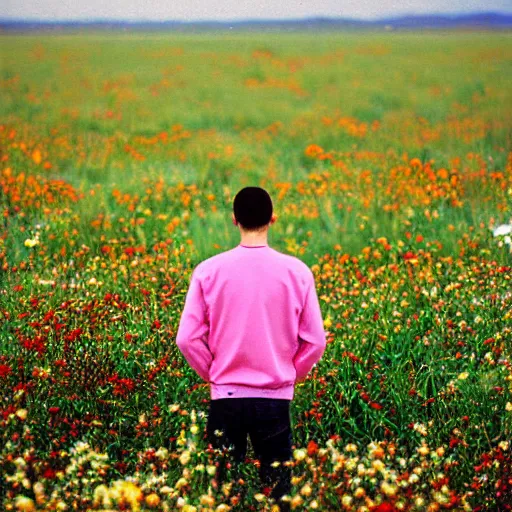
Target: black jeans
{"x":267,"y":422}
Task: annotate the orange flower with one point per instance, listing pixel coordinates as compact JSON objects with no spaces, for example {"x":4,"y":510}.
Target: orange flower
{"x":313,"y":151}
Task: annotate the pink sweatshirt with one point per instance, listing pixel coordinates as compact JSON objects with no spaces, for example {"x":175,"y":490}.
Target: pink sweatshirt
{"x":251,"y":324}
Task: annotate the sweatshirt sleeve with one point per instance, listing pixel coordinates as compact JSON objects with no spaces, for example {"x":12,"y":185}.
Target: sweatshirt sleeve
{"x":192,"y":335}
{"x":312,"y":337}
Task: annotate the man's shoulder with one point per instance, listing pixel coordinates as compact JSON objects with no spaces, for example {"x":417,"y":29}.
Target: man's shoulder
{"x":213,"y":261}
{"x":283,"y":260}
{"x":294,"y":263}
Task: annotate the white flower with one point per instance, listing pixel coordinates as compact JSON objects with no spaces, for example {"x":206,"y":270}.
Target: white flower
{"x":504,"y":229}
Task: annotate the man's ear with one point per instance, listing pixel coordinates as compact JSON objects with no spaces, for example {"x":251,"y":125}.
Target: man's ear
{"x":273,"y":218}
{"x":233,"y":219}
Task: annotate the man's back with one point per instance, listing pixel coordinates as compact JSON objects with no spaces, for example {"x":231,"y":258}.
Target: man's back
{"x":252,"y":324}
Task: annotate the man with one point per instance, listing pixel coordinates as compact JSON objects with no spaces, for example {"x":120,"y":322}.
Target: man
{"x":252,"y":327}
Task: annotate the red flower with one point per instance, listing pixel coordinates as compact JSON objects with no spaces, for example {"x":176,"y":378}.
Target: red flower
{"x":384,"y":507}
{"x":49,"y":473}
{"x":312,"y":448}
{"x":409,"y":256}
{"x":375,"y":405}
{"x":5,"y":370}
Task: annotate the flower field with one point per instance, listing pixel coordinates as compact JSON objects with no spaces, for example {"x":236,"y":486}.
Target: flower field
{"x":389,"y":160}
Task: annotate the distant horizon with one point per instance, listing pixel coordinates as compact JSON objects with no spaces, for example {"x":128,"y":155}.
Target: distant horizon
{"x":100,"y":19}
{"x":226,"y":11}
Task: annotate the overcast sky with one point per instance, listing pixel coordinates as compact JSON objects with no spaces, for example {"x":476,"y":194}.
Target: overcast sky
{"x":187,"y":10}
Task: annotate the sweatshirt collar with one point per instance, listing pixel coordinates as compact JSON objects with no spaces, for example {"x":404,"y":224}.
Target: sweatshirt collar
{"x":252,"y":246}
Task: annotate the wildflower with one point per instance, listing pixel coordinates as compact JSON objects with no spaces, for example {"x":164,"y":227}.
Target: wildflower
{"x":346,"y":500}
{"x":299,"y":454}
{"x":207,"y":500}
{"x":296,"y":501}
{"x":180,"y":483}
{"x":100,"y":495}
{"x":25,"y":504}
{"x":508,"y":407}
{"x":22,"y":414}
{"x":152,"y":500}
{"x":463,"y":376}
{"x":504,"y":229}
{"x":162,"y":453}
{"x":31,"y":242}
{"x":388,"y":489}
{"x":423,"y":450}
{"x":306,"y":490}
{"x":259,"y":497}
{"x":185,"y":457}
{"x":211,"y":470}
{"x":413,"y":478}
{"x":359,"y":492}
{"x":378,"y":465}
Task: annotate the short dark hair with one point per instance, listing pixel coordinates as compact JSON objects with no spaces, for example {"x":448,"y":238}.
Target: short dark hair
{"x":252,"y":207}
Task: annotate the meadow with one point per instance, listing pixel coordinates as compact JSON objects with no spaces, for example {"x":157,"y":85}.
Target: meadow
{"x":389,"y":160}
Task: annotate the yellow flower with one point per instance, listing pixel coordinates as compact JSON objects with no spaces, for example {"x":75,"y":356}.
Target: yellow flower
{"x":327,"y":323}
{"x":209,"y":501}
{"x":424,"y":450}
{"x":31,"y":242}
{"x":25,"y":504}
{"x":346,"y":500}
{"x":152,"y":500}
{"x":306,"y":490}
{"x":388,"y":489}
{"x":463,"y":375}
{"x":296,"y":501}
{"x":299,"y":454}
{"x":22,"y":414}
{"x":185,"y":457}
{"x":180,"y":483}
{"x":359,"y":492}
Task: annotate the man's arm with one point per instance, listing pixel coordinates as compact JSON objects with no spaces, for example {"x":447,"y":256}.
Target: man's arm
{"x":192,"y":336}
{"x":312,"y":337}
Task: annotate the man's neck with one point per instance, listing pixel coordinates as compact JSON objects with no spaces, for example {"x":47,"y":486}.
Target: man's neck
{"x":254,"y":240}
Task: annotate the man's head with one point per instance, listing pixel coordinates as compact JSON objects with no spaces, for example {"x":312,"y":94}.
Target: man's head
{"x":252,"y":209}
